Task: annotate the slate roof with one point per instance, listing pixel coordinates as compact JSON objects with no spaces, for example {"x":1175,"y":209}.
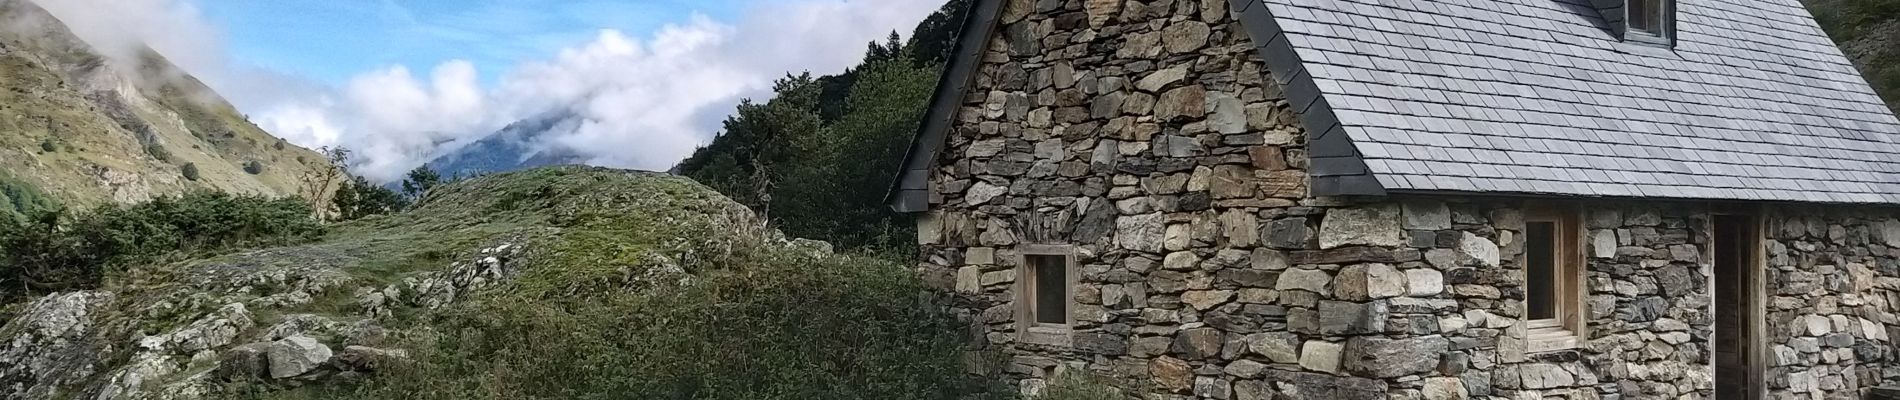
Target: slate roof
{"x":1754,"y":102}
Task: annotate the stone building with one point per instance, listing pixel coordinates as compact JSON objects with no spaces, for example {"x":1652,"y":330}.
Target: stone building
{"x":1415,"y":199}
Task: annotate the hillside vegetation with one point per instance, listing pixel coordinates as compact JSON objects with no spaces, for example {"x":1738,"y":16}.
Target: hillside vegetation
{"x":818,"y":157}
{"x":562,"y":283}
{"x":1869,"y":32}
{"x":88,"y":129}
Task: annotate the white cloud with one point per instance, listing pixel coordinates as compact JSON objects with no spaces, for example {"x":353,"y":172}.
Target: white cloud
{"x":121,"y":29}
{"x":644,"y":99}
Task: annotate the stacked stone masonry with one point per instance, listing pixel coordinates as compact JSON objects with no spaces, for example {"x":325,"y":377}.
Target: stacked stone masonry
{"x":1145,"y":134}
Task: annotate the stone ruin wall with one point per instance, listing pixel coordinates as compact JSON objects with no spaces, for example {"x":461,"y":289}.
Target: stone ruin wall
{"x":1145,"y":134}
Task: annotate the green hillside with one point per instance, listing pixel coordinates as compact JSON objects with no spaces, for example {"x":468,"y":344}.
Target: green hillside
{"x":90,"y":130}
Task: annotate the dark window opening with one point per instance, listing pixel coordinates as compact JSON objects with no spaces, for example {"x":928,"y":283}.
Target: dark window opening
{"x":1050,"y":288}
{"x":1648,"y":16}
{"x":1540,"y":265}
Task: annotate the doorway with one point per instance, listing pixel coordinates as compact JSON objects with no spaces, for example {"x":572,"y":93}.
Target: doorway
{"x":1736,"y":251}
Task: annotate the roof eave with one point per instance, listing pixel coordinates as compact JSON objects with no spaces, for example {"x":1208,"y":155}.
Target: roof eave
{"x":1337,"y":167}
{"x":910,"y":192}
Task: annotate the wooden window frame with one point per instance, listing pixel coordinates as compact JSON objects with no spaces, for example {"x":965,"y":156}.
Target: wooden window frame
{"x":1567,"y":329}
{"x":1659,"y":30}
{"x":1028,"y":326}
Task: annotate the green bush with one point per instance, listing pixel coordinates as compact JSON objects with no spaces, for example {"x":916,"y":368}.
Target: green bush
{"x":20,"y":200}
{"x":191,"y":172}
{"x":54,"y":252}
{"x":49,"y":146}
{"x":158,"y":152}
{"x":254,"y":167}
{"x":357,"y":198}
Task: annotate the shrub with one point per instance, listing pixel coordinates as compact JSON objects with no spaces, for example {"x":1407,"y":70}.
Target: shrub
{"x":54,"y":252}
{"x":20,"y":200}
{"x":49,"y":146}
{"x":191,"y":172}
{"x":419,"y":181}
{"x":357,"y":198}
{"x":254,"y":167}
{"x":158,"y":152}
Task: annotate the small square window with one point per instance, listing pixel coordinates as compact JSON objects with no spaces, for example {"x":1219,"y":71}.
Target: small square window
{"x":1553,"y":276}
{"x":1648,"y":17}
{"x":1046,"y":291}
{"x":1050,"y":282}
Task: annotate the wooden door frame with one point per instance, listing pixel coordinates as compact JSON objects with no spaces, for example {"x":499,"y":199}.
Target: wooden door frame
{"x":1755,"y":269}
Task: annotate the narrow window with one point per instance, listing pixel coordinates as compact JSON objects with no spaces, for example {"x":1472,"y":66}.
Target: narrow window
{"x":1648,"y":17}
{"x":1051,"y":282}
{"x":1553,"y":272}
{"x":1047,"y":288}
{"x":1540,"y":269}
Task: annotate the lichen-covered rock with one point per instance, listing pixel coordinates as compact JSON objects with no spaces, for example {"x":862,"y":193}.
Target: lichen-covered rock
{"x":296,"y":355}
{"x":146,"y":369}
{"x":245,"y":362}
{"x":212,"y":331}
{"x":364,"y":358}
{"x":301,"y":325}
{"x":46,"y":345}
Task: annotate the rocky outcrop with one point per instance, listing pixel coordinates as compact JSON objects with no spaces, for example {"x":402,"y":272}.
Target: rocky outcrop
{"x":295,"y":355}
{"x":438,"y":289}
{"x":64,"y":344}
{"x":48,"y":344}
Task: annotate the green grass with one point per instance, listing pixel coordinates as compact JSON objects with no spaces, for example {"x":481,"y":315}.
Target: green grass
{"x":630,"y":285}
{"x":640,"y":286}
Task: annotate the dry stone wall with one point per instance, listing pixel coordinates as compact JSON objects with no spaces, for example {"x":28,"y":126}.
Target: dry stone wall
{"x":1145,"y":135}
{"x":1833,"y":279}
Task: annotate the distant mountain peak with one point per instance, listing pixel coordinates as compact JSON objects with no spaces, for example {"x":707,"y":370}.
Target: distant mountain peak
{"x":521,"y":145}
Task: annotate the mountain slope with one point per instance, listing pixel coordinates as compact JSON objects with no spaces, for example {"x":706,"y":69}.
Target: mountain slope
{"x":1869,"y":32}
{"x":518,"y":146}
{"x":88,"y":129}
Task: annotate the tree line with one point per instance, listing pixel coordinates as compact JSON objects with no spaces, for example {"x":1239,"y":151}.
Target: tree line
{"x":819,"y":156}
{"x":47,"y":247}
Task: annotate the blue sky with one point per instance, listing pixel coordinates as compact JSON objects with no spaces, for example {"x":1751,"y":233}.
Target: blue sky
{"x":332,"y":41}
